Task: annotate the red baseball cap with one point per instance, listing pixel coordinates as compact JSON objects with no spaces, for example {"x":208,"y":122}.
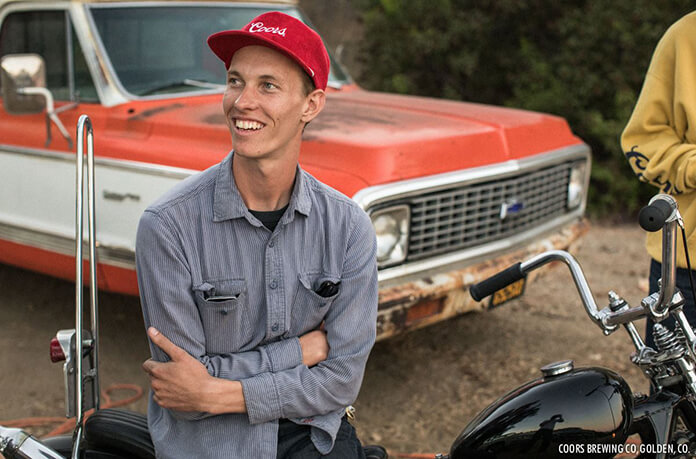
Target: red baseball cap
{"x":282,"y":33}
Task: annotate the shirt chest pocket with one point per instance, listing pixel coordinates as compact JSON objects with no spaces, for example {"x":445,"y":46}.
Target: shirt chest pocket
{"x":223,"y":308}
{"x":309,"y":307}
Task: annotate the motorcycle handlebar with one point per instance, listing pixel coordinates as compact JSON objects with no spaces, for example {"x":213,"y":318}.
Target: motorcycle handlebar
{"x":519,"y":270}
{"x":653,"y":217}
{"x":660,"y":213}
{"x":496,"y":282}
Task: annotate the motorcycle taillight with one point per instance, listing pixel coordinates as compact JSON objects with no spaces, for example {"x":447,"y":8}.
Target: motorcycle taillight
{"x":57,"y":354}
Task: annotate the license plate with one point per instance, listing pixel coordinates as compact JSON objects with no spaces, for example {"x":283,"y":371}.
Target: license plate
{"x":508,"y":293}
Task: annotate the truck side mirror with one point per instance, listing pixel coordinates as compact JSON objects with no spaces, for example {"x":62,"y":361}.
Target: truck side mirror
{"x":23,"y":79}
{"x":20,"y":71}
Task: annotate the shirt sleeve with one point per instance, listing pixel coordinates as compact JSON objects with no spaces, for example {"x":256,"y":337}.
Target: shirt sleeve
{"x":168,"y":304}
{"x":351,"y":331}
{"x":654,"y":140}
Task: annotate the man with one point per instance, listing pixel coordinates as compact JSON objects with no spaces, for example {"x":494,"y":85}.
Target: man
{"x":660,"y":144}
{"x":258,"y":283}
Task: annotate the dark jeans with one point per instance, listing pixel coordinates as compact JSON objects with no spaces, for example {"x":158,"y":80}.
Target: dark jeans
{"x":684,"y":286}
{"x":294,"y":442}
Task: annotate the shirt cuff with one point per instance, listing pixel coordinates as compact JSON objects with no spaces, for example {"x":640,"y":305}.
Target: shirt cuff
{"x":261,"y":398}
{"x":284,"y":354}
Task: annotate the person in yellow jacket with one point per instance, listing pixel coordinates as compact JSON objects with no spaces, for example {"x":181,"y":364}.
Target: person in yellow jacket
{"x":659,"y":142}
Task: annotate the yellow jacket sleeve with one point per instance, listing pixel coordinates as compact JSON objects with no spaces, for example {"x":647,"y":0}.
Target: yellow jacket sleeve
{"x":659,"y":140}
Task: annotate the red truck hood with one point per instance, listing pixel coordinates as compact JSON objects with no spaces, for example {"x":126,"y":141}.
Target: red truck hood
{"x":361,"y":138}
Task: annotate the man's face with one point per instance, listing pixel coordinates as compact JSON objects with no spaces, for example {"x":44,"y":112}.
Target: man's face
{"x":265,"y":104}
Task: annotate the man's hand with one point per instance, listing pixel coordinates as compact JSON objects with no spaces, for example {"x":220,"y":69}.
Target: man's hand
{"x":181,"y":384}
{"x":315,"y":347}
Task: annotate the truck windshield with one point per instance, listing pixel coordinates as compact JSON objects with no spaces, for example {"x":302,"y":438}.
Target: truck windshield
{"x":162,"y":49}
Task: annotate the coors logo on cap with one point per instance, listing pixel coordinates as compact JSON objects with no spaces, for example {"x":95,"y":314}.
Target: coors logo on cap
{"x":259,"y":27}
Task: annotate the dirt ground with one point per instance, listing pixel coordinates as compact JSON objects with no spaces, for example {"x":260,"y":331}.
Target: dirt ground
{"x":420,"y":390}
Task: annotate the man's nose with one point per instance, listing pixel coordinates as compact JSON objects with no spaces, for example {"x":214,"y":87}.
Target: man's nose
{"x":245,"y":99}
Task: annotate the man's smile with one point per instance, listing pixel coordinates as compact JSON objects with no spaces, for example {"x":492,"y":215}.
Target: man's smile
{"x":246,"y":125}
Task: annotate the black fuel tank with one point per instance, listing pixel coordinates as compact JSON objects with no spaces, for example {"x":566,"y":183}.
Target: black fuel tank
{"x":576,"y":414}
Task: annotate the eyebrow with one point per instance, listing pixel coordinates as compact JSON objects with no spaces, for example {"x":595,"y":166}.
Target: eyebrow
{"x":261,"y":77}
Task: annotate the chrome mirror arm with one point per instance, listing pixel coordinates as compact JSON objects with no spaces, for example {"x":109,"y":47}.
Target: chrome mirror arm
{"x":51,"y":112}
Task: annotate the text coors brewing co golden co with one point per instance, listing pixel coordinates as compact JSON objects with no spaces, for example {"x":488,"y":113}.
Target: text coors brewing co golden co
{"x":625,"y":448}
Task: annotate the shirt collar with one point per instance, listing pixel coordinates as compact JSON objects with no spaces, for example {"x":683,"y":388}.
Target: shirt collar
{"x":228,"y":203}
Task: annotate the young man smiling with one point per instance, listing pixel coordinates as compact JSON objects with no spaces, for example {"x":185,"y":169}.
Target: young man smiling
{"x":258,"y":283}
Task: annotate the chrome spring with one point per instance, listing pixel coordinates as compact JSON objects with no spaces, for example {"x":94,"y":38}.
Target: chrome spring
{"x":679,"y":334}
{"x":666,"y":340}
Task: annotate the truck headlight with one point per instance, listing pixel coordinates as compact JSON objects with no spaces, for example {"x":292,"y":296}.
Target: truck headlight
{"x":576,"y":185}
{"x":391,"y":227}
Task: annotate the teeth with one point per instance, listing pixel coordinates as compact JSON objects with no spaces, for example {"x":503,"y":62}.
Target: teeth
{"x":245,"y":124}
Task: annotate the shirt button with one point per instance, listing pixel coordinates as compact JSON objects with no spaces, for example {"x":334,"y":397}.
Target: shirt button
{"x":271,"y":244}
{"x":274,"y":327}
{"x":274,"y":284}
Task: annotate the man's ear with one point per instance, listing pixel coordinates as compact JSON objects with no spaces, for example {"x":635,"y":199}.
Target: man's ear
{"x":314,"y":105}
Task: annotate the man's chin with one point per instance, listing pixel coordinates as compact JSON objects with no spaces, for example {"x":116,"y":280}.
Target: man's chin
{"x":248,"y":153}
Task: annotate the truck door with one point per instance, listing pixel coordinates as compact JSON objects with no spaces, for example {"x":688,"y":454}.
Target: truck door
{"x":37,"y":171}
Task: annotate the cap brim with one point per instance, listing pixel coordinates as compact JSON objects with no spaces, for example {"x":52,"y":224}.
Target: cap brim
{"x":225,"y":44}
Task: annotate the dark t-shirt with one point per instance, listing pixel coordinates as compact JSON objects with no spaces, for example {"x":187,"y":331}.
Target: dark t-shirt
{"x":269,"y":219}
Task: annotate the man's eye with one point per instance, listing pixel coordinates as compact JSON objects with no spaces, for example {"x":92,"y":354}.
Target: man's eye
{"x":269,"y":86}
{"x":232,"y":81}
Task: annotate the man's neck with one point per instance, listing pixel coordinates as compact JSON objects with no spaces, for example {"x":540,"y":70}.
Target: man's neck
{"x":264,"y":185}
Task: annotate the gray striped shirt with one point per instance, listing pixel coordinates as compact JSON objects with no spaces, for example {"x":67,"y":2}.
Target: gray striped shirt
{"x":237,"y":296}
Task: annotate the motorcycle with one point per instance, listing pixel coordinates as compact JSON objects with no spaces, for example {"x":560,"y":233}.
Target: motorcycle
{"x":591,"y":412}
{"x":568,"y":412}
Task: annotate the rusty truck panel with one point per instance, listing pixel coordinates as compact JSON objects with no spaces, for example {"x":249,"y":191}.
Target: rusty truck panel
{"x":432,"y":299}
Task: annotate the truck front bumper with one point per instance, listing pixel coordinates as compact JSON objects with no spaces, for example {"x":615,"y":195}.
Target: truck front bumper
{"x":436,"y":297}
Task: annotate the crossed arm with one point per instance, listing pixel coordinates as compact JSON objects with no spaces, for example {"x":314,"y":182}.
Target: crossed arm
{"x":184,"y":384}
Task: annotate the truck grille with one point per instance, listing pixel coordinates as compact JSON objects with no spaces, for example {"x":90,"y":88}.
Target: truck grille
{"x":469,"y":215}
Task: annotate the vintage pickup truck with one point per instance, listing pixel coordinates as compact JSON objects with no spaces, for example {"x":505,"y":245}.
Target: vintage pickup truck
{"x":455,"y":190}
